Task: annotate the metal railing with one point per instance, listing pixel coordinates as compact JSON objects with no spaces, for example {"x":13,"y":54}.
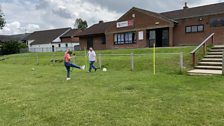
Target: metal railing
{"x":223,"y":63}
{"x":204,"y":44}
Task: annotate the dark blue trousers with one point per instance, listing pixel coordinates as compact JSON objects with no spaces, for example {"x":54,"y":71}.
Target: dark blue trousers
{"x":68,"y":65}
{"x":91,"y":65}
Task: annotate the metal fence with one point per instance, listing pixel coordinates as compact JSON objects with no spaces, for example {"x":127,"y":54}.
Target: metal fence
{"x":134,"y":62}
{"x":49,"y":49}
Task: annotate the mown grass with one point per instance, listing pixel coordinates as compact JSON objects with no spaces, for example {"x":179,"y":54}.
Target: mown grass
{"x":117,"y":97}
{"x":141,"y":62}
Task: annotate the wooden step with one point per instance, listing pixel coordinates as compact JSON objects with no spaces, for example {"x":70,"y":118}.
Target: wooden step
{"x":211,"y":60}
{"x":204,"y":72}
{"x":213,"y":56}
{"x":208,"y":67}
{"x":210,"y":63}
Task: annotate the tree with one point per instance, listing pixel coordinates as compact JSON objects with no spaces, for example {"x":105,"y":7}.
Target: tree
{"x":80,"y":24}
{"x":11,"y":47}
{"x":2,"y":20}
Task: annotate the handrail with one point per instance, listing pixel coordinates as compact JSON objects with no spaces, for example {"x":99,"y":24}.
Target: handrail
{"x":196,"y":49}
{"x":204,"y":44}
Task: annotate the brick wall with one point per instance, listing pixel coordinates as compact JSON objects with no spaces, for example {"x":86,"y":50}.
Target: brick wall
{"x":97,"y":43}
{"x":183,"y":38}
{"x":70,"y":39}
{"x":142,"y":22}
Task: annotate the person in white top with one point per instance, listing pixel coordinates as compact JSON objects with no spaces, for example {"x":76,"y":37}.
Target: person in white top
{"x":92,"y":59}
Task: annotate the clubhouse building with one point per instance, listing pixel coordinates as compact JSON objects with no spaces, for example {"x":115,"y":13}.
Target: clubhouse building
{"x":140,"y":28}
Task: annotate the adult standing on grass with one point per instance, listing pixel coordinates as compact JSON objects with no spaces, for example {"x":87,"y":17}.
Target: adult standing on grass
{"x":68,"y":64}
{"x":92,"y":59}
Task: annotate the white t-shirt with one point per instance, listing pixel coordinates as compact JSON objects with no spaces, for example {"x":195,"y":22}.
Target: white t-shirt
{"x":92,"y":56}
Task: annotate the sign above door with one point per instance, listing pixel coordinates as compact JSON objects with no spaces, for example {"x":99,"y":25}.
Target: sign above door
{"x":123,"y":24}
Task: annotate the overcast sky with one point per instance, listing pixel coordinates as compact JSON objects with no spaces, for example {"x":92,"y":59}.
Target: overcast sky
{"x":30,"y":15}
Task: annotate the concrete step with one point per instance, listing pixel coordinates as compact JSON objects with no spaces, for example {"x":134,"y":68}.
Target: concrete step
{"x":216,"y":50}
{"x":210,"y":63}
{"x":213,"y":56}
{"x":211,"y":60}
{"x":218,"y":46}
{"x":208,"y":67}
{"x":204,"y":72}
{"x":215,"y":53}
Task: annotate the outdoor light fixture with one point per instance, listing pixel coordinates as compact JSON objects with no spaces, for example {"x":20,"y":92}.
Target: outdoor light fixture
{"x":157,"y":23}
{"x":133,"y":15}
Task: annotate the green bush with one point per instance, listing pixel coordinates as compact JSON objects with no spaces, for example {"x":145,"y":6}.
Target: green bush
{"x":11,"y":47}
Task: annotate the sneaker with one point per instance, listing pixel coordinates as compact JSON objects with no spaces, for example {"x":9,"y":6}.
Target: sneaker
{"x":95,"y":69}
{"x":68,"y":79}
{"x":83,"y":67}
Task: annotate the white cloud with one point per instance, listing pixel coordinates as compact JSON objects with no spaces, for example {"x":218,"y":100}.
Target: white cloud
{"x":32,"y":27}
{"x":16,"y":28}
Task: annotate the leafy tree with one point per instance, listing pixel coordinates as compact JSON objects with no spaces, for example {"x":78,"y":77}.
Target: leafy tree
{"x":2,"y":20}
{"x":80,"y":24}
{"x":11,"y":47}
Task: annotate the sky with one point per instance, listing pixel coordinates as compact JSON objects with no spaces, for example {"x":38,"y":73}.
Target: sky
{"x":25,"y":16}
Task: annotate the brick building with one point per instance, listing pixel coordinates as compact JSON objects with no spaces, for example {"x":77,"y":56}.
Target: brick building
{"x":70,"y":39}
{"x":140,"y":28}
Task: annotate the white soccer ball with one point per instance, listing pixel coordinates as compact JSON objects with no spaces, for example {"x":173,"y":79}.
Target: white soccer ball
{"x":104,"y":69}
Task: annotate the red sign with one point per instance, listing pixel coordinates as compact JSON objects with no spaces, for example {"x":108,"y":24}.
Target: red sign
{"x":125,"y":24}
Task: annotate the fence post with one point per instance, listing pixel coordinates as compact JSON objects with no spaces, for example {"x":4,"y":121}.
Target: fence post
{"x":132,"y":61}
{"x":14,"y":59}
{"x":24,"y":59}
{"x":4,"y":58}
{"x":53,"y":58}
{"x":74,"y":59}
{"x":181,"y":62}
{"x":100,"y":60}
{"x":193,"y":59}
{"x":223,"y":63}
{"x":37,"y":59}
{"x":204,"y":48}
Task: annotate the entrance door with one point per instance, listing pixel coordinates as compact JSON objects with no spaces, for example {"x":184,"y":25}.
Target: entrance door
{"x":152,"y":37}
{"x":165,"y":38}
{"x":89,"y":42}
{"x":160,"y":37}
{"x":52,"y":48}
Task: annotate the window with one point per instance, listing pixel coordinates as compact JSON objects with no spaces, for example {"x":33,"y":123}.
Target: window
{"x":188,"y":29}
{"x":59,"y":45}
{"x":200,"y":28}
{"x":66,"y":45}
{"x":124,"y":38}
{"x":217,"y":22}
{"x":222,"y":22}
{"x":115,"y":38}
{"x":103,"y":40}
{"x":194,"y":28}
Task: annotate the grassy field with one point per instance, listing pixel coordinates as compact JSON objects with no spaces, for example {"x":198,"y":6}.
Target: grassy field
{"x":118,"y":97}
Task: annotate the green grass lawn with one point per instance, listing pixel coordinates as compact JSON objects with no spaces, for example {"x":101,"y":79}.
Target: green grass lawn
{"x":118,"y":97}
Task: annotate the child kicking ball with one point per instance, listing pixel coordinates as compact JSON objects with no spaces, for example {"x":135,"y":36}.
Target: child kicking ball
{"x":68,"y":64}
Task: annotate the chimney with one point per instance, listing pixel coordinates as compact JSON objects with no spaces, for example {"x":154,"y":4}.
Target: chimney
{"x":100,"y":21}
{"x":185,"y":6}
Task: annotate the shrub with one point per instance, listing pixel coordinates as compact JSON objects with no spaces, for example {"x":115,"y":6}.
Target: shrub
{"x":11,"y":47}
